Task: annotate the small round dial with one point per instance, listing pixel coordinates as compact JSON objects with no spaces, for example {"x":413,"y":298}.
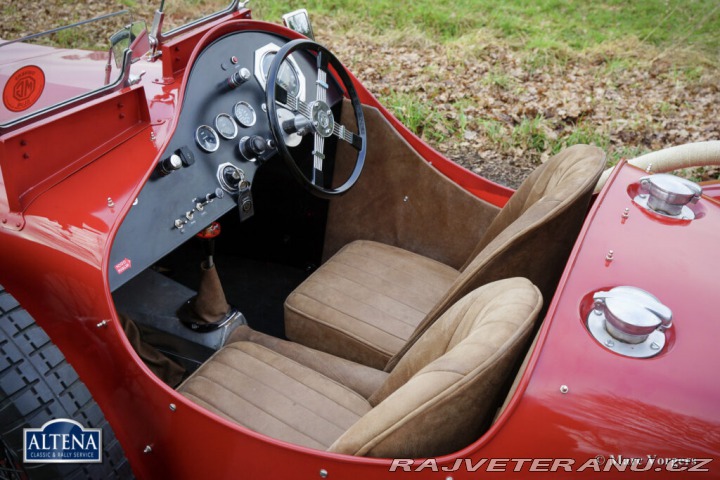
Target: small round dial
{"x":226,"y":126}
{"x":207,"y":138}
{"x":245,"y":114}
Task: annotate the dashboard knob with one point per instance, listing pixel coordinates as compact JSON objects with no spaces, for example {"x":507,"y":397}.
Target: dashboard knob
{"x":170,"y":164}
{"x":253,"y":147}
{"x":239,"y":77}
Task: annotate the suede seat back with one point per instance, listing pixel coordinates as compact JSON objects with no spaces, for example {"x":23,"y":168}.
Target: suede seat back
{"x":533,"y":234}
{"x":444,"y":389}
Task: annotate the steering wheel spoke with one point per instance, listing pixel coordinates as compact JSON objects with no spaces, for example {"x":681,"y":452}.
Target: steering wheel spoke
{"x":318,"y":159}
{"x":291,"y":102}
{"x":321,"y":82}
{"x":344,"y":134}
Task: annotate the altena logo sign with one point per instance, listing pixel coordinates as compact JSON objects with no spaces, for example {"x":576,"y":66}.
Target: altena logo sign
{"x":62,"y":441}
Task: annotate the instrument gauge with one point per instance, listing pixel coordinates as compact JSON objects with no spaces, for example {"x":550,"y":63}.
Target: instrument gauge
{"x":207,"y":138}
{"x":226,"y":126}
{"x":287,"y":77}
{"x":245,"y":114}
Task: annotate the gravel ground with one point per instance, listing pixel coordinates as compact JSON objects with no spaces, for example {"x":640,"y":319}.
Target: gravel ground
{"x":487,"y":105}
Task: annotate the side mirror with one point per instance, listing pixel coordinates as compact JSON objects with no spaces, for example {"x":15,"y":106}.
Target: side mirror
{"x":299,"y":20}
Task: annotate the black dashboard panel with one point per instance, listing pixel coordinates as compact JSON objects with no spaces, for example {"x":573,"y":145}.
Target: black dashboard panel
{"x":191,"y":186}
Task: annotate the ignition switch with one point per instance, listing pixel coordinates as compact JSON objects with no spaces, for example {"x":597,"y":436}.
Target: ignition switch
{"x":230,"y":177}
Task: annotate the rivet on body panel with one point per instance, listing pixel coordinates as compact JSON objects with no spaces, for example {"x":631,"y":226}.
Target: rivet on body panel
{"x":172,"y":407}
{"x":323,"y":473}
{"x":102,"y":324}
{"x":564,"y":389}
{"x":147,"y":449}
{"x":110,"y":202}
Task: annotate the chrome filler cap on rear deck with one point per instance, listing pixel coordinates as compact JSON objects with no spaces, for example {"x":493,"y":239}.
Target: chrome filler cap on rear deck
{"x":629,"y":321}
{"x":668,"y":195}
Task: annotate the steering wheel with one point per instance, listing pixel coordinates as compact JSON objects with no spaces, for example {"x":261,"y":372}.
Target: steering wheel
{"x":314,"y":117}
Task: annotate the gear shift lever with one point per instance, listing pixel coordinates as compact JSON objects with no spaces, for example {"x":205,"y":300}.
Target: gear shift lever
{"x":208,"y":310}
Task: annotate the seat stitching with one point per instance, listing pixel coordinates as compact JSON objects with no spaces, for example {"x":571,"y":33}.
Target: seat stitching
{"x":342,"y":333}
{"x":359,"y":300}
{"x":319,"y":320}
{"x":247,"y":400}
{"x":360,"y":397}
{"x":392,"y":266}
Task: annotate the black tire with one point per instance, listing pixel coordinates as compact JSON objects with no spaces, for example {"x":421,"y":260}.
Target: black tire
{"x":37,"y":385}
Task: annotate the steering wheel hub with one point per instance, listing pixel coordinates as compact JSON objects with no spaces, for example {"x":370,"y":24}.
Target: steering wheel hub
{"x":322,"y":118}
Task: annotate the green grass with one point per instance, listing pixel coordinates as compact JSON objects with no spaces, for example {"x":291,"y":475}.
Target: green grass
{"x":541,"y":25}
{"x":419,"y":116}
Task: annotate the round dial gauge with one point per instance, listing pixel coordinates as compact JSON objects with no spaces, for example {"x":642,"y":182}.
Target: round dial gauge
{"x":207,"y":138}
{"x":245,"y":114}
{"x":226,"y":126}
{"x":287,"y":76}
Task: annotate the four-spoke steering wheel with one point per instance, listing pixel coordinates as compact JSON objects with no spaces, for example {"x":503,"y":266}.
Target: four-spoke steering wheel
{"x":314,"y":117}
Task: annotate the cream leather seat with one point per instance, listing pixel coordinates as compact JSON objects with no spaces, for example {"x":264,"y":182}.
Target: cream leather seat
{"x":438,"y":398}
{"x":371,"y":301}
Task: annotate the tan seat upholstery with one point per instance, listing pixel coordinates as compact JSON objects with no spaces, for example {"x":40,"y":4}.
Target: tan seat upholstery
{"x":368,"y":298}
{"x":372,"y":314}
{"x":438,"y":399}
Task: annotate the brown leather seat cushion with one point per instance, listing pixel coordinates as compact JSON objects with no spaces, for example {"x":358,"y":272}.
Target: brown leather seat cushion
{"x":365,"y":302}
{"x":264,"y":391}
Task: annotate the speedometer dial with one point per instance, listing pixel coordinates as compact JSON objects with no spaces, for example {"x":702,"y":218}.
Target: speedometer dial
{"x":226,"y":126}
{"x":207,"y":138}
{"x":245,"y":114}
{"x":287,"y":77}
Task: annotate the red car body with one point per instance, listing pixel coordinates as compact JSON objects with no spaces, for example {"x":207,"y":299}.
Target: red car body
{"x":578,"y":406}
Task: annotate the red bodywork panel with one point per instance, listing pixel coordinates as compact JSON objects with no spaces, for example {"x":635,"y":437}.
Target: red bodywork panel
{"x":59,"y":228}
{"x":67,"y":73}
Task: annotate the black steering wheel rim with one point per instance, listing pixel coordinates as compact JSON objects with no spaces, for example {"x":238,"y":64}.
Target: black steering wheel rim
{"x":275,"y":93}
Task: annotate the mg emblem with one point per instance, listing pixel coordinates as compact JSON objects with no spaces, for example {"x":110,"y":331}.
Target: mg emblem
{"x":24,"y":88}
